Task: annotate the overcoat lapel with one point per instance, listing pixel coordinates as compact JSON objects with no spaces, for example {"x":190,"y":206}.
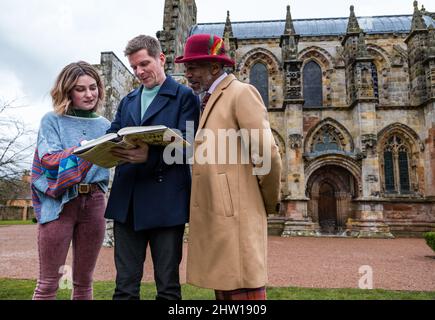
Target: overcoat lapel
{"x":158,"y":104}
{"x":219,"y":91}
{"x":169,"y":89}
{"x":134,"y":108}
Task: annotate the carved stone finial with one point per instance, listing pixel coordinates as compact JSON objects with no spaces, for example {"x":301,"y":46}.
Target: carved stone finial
{"x":289,"y":28}
{"x":231,"y":43}
{"x":289,"y":39}
{"x":417,"y":19}
{"x":353,"y":25}
{"x":228,"y":27}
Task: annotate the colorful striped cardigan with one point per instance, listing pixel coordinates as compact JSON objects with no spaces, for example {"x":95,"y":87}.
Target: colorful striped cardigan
{"x":61,"y":170}
{"x":55,"y":171}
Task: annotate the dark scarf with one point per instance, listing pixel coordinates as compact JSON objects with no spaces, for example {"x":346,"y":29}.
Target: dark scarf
{"x":82,"y":113}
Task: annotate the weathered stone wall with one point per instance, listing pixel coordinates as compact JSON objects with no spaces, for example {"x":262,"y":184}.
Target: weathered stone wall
{"x":390,"y":58}
{"x":118,"y":81}
{"x":389,"y":52}
{"x":179,"y":17}
{"x":361,"y":121}
{"x":268,"y":53}
{"x":16,"y":213}
{"x":416,"y":42}
{"x":409,"y":218}
{"x":429,"y":153}
{"x":313,"y":117}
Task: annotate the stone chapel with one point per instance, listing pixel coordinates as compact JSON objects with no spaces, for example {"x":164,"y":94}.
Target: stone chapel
{"x":351,"y":103}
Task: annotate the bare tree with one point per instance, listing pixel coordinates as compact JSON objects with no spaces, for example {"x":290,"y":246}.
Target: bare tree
{"x":15,"y":148}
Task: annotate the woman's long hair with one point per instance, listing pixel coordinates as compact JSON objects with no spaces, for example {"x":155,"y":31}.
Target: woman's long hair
{"x":66,"y":81}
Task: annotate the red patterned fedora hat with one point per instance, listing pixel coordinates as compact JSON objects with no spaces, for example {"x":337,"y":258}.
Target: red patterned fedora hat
{"x":205,"y":47}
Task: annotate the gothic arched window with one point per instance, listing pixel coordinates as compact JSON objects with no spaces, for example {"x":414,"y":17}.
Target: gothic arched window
{"x":326,"y":139}
{"x":259,"y":78}
{"x":396,"y":166}
{"x":313,"y":85}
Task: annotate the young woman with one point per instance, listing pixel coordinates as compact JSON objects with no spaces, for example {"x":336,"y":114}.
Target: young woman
{"x":68,"y":192}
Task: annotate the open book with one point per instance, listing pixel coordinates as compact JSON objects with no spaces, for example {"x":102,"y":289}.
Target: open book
{"x":98,"y":152}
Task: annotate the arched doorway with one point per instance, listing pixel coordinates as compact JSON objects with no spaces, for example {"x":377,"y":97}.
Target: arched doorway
{"x":327,"y":209}
{"x":330,"y":189}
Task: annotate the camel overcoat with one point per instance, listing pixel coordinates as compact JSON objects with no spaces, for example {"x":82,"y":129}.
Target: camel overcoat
{"x":229,"y":204}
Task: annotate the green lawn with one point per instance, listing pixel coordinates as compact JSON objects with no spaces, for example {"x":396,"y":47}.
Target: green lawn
{"x":15,"y":222}
{"x":12,"y":289}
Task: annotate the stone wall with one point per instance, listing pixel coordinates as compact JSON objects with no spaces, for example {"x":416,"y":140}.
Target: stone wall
{"x":409,"y":218}
{"x":15,"y":213}
{"x":388,"y":51}
{"x":118,"y":81}
{"x":179,"y":16}
{"x":429,"y":157}
{"x":268,"y":53}
{"x":359,"y":121}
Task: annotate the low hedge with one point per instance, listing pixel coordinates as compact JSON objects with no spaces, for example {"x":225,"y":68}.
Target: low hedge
{"x":430,"y":239}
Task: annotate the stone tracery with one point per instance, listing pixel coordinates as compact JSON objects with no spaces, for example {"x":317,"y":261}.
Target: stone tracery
{"x":399,"y":151}
{"x":328,"y":135}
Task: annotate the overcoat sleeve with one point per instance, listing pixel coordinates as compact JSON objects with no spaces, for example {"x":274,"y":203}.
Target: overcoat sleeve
{"x":252,"y":115}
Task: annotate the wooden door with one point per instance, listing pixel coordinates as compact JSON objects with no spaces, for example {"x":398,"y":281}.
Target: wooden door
{"x":327,"y":209}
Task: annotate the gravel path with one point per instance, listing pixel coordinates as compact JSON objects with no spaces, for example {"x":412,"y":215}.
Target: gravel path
{"x":398,"y":264}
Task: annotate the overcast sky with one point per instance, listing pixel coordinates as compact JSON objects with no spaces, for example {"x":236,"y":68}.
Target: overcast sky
{"x":39,"y":37}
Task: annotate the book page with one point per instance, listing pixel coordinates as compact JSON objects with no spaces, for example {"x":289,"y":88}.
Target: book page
{"x":91,"y":143}
{"x":130,"y":130}
{"x":157,"y":137}
{"x":151,"y":138}
{"x":101,"y":155}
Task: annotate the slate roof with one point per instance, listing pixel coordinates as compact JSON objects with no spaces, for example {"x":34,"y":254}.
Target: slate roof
{"x":311,"y":27}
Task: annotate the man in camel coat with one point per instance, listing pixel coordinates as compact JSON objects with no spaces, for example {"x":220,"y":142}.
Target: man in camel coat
{"x":235,"y":177}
